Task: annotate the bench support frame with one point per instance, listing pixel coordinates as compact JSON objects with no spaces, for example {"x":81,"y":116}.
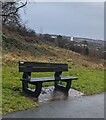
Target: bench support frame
{"x":25,"y":87}
{"x":60,"y":87}
{"x":38,"y":85}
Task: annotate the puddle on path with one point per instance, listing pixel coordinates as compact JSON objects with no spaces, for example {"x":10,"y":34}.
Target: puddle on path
{"x":48,"y":94}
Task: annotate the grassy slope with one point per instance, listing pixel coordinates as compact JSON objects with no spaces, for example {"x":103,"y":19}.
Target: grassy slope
{"x":90,"y":73}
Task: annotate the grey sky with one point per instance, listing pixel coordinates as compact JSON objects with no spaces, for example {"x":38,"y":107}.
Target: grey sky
{"x":72,"y":19}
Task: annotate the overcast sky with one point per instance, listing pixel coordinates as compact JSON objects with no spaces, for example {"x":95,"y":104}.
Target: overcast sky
{"x":73,"y":19}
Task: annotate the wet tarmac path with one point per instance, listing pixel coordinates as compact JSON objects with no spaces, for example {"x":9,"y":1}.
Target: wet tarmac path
{"x":79,"y":107}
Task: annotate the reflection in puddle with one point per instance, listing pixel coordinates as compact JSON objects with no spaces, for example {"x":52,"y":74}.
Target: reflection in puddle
{"x":48,"y":94}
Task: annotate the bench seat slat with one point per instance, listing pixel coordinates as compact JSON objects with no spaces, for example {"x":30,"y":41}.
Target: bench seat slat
{"x":42,"y":69}
{"x":47,"y":79}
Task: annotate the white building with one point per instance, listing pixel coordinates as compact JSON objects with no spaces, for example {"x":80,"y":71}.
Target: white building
{"x":72,"y":39}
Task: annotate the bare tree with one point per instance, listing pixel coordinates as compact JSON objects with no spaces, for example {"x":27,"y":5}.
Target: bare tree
{"x":10,"y":15}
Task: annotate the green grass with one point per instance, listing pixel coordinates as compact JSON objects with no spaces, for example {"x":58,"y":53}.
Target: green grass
{"x":13,"y":98}
{"x":90,"y":82}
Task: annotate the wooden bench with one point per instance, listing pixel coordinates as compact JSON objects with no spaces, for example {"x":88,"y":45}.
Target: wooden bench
{"x":28,"y":67}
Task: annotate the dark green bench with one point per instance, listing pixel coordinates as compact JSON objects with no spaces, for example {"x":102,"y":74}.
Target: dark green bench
{"x":28,"y":67}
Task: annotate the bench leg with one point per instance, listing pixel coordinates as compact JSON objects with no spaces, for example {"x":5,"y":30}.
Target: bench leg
{"x":63,"y":88}
{"x":34,"y":93}
{"x":38,"y":89}
{"x":24,"y":86}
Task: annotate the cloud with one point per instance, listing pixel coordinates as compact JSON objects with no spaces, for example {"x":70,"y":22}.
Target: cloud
{"x":76,"y":19}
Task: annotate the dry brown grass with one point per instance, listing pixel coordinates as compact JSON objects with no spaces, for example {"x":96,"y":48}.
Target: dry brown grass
{"x":51,"y":54}
{"x":55,"y":55}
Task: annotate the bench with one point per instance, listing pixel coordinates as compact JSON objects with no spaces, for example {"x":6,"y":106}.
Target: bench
{"x":28,"y":67}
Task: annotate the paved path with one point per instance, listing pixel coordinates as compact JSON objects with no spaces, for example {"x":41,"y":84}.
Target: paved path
{"x":83,"y":107}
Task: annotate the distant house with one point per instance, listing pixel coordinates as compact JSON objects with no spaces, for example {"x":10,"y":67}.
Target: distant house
{"x":77,"y":44}
{"x":54,"y":36}
{"x":83,"y":45}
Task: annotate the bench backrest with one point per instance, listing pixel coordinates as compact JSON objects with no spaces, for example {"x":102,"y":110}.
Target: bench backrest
{"x":41,"y":67}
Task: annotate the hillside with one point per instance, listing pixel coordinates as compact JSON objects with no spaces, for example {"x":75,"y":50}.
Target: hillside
{"x":16,"y":48}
